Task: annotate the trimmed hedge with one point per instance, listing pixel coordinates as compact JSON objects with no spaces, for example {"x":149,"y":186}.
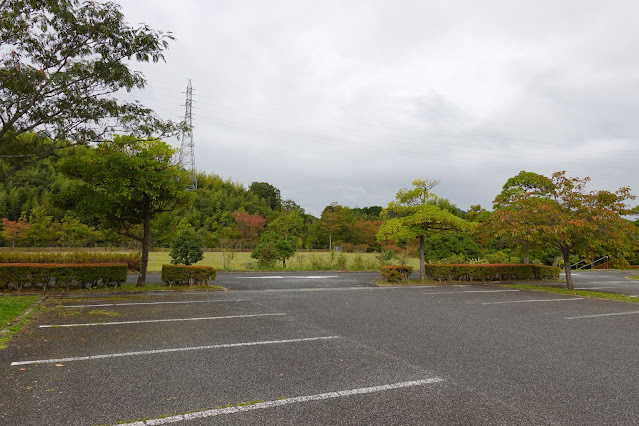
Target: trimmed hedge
{"x":191,"y":274}
{"x":496,"y":272}
{"x":396,"y":273}
{"x":58,"y":275}
{"x":132,"y":260}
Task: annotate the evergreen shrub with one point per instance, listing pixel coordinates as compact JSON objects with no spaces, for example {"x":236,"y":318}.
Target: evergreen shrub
{"x":488,"y":272}
{"x":191,"y":275}
{"x":396,"y":273}
{"x":59,"y":275}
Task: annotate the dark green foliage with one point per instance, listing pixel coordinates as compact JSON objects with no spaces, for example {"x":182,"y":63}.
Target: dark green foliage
{"x":132,"y":260}
{"x":443,"y":245}
{"x":396,"y":273}
{"x":273,"y":247}
{"x":191,"y":275}
{"x":186,"y":248}
{"x":267,"y":192}
{"x":126,"y":183}
{"x":490,"y":272}
{"x":46,"y":275}
{"x":62,"y":62}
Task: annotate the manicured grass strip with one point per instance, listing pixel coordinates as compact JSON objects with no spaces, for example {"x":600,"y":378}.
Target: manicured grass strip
{"x":584,"y":293}
{"x":11,"y":308}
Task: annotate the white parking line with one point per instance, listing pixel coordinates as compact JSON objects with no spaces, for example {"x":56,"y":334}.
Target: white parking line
{"x":158,"y":320}
{"x":154,"y":303}
{"x":281,"y":402}
{"x":163,"y":351}
{"x":314,"y":277}
{"x":530,"y":301}
{"x":598,"y":288}
{"x":602,"y":315}
{"x":468,"y":291}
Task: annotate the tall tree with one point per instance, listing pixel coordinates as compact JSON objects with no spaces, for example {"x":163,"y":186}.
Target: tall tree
{"x":61,"y":64}
{"x":414,"y":215}
{"x":334,"y":221}
{"x":268,"y":192}
{"x":559,"y":212}
{"x":250,"y":226}
{"x":126,"y":183}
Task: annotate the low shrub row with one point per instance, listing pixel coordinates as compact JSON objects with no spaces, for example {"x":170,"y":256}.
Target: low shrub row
{"x":61,"y":275}
{"x":396,"y":273}
{"x":191,"y":275}
{"x":132,"y":260}
{"x":487,"y":272}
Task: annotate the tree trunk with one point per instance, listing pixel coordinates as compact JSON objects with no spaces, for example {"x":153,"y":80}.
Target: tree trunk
{"x":146,"y":246}
{"x":284,"y":263}
{"x":526,"y":257}
{"x":330,"y":242}
{"x":569,"y":284}
{"x":422,"y":263}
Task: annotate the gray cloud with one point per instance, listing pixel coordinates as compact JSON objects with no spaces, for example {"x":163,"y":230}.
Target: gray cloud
{"x":351,"y":101}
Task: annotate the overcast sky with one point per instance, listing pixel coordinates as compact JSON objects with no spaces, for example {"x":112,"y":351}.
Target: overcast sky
{"x":349,"y":101}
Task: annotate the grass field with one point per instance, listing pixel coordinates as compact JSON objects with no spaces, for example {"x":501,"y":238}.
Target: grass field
{"x":302,"y":261}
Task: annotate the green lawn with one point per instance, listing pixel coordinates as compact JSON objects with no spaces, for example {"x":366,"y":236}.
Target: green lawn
{"x":12,"y":306}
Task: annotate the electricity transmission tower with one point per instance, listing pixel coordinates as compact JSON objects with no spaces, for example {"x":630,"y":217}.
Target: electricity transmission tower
{"x":187,"y":151}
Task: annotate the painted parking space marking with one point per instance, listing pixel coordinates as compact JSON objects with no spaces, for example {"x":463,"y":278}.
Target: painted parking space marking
{"x":597,"y":288}
{"x":154,"y":303}
{"x":468,"y":291}
{"x":279,"y":277}
{"x":614,"y":314}
{"x":285,"y":401}
{"x":160,"y":320}
{"x":532,"y":301}
{"x":164,"y":351}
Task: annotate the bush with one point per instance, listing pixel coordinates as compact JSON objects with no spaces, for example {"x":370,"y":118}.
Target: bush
{"x":186,"y":247}
{"x":131,"y":259}
{"x":43,"y":275}
{"x":191,"y":275}
{"x":396,"y":273}
{"x":486,"y":272}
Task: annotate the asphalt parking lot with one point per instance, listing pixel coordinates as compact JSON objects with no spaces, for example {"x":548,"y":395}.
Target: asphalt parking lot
{"x":303,"y":349}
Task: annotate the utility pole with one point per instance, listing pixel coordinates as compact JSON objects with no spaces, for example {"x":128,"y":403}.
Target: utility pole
{"x":187,"y":151}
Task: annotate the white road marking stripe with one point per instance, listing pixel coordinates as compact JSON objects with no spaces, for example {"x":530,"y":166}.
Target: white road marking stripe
{"x":163,"y":351}
{"x":467,"y":291}
{"x":530,"y":301}
{"x":281,"y":402}
{"x":158,"y":320}
{"x":154,"y":303}
{"x":597,"y":288}
{"x":269,"y":277}
{"x":602,"y":315}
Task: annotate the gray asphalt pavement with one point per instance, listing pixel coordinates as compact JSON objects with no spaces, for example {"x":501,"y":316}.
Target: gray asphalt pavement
{"x":327,"y":350}
{"x":610,"y":281}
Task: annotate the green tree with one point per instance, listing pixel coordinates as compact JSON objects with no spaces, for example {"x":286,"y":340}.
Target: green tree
{"x":268,"y":192}
{"x":186,"y":247}
{"x":413,"y":215}
{"x":280,"y":239}
{"x":125,"y":184}
{"x":560,"y":213}
{"x":61,"y":64}
{"x":334,"y":222}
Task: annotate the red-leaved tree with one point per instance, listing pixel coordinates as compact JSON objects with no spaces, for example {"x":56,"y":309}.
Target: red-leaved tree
{"x":12,"y":230}
{"x":250,"y":226}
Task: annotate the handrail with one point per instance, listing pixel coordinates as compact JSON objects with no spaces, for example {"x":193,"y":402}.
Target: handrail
{"x":595,"y":261}
{"x":573,"y":265}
